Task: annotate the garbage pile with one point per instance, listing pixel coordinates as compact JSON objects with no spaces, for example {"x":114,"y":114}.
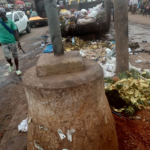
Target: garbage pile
{"x":129,"y":91}
{"x":72,"y":18}
{"x":96,"y":49}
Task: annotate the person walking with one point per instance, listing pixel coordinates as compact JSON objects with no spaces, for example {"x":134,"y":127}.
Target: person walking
{"x":31,"y":10}
{"x":8,"y":38}
{"x":145,"y":9}
{"x":28,"y":13}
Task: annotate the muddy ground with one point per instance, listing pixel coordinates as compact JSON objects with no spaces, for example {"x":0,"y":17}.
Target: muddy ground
{"x":132,"y":134}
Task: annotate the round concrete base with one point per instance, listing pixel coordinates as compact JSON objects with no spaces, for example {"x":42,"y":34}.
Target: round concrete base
{"x":69,"y":111}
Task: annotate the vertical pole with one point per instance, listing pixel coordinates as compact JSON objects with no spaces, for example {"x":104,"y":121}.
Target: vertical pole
{"x":54,"y":28}
{"x":121,"y":35}
{"x":107,"y":12}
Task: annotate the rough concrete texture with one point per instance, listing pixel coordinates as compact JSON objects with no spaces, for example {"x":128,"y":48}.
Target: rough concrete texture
{"x":71,"y":101}
{"x":67,"y":63}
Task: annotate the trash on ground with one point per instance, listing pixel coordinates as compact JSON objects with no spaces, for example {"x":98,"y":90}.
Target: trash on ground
{"x":135,"y":117}
{"x":62,"y":136}
{"x":130,"y":93}
{"x":134,"y":45}
{"x":138,"y":61}
{"x":48,"y":49}
{"x":23,"y":127}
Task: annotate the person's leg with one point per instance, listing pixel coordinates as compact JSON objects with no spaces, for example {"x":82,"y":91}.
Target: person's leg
{"x":13,"y":49}
{"x":7,"y":54}
{"x":16,"y":63}
{"x":9,"y":61}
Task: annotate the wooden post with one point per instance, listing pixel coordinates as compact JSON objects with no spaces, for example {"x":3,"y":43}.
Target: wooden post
{"x":53,"y":22}
{"x":121,"y":35}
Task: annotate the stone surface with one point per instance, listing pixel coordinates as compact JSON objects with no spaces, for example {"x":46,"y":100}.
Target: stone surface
{"x":69,"y":101}
{"x":48,"y":64}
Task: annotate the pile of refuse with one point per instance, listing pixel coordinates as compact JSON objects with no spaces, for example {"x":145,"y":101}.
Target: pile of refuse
{"x":89,"y":49}
{"x":72,"y":18}
{"x":129,"y":91}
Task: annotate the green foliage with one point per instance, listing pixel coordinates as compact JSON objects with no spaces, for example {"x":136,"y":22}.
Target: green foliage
{"x":148,"y":102}
{"x":108,"y":80}
{"x":146,"y":75}
{"x":119,"y":86}
{"x":131,"y":74}
{"x":130,"y":110}
{"x":141,"y":102}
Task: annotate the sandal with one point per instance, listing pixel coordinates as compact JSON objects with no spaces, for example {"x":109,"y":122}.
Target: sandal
{"x":18,"y":72}
{"x":10,"y":68}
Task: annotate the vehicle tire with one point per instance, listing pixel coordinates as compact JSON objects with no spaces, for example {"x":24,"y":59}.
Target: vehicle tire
{"x":28,"y":29}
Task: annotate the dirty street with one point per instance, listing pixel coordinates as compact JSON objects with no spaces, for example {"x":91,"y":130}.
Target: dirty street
{"x":75,"y":76}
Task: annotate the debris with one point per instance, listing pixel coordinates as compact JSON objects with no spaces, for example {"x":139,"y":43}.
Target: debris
{"x":70,"y":20}
{"x":118,"y":114}
{"x":115,"y":79}
{"x":135,"y":117}
{"x":29,"y":119}
{"x":62,"y":136}
{"x":69,"y":134}
{"x":134,"y":45}
{"x":37,"y":146}
{"x":129,"y":49}
{"x":82,"y":53}
{"x":48,"y":49}
{"x":23,"y":127}
{"x":139,"y":61}
{"x":133,"y":89}
{"x":144,"y":41}
{"x":43,"y":128}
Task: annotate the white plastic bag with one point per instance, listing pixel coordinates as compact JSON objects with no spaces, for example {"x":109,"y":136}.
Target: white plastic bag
{"x":110,"y":67}
{"x":82,"y":53}
{"x":85,"y":21}
{"x":92,"y":14}
{"x":84,"y":11}
{"x":64,"y":13}
{"x":23,"y":127}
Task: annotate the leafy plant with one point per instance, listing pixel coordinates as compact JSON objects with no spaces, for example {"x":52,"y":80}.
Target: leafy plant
{"x":108,"y":80}
{"x":130,"y":110}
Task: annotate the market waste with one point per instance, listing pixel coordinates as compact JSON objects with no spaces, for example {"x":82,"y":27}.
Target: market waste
{"x":130,"y":93}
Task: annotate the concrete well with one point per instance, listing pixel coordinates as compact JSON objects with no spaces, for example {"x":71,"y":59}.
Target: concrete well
{"x":69,"y":111}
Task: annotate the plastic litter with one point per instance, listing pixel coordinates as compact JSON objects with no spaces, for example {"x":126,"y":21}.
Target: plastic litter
{"x":82,"y":53}
{"x":23,"y":127}
{"x":37,"y":146}
{"x":73,"y":40}
{"x":84,"y":11}
{"x":135,"y":117}
{"x":129,"y":50}
{"x":69,"y":134}
{"x":139,"y":61}
{"x":62,"y":136}
{"x":86,"y":21}
{"x":48,"y":49}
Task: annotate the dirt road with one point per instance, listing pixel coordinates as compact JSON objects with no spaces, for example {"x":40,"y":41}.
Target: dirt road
{"x":140,"y":19}
{"x":25,"y":38}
